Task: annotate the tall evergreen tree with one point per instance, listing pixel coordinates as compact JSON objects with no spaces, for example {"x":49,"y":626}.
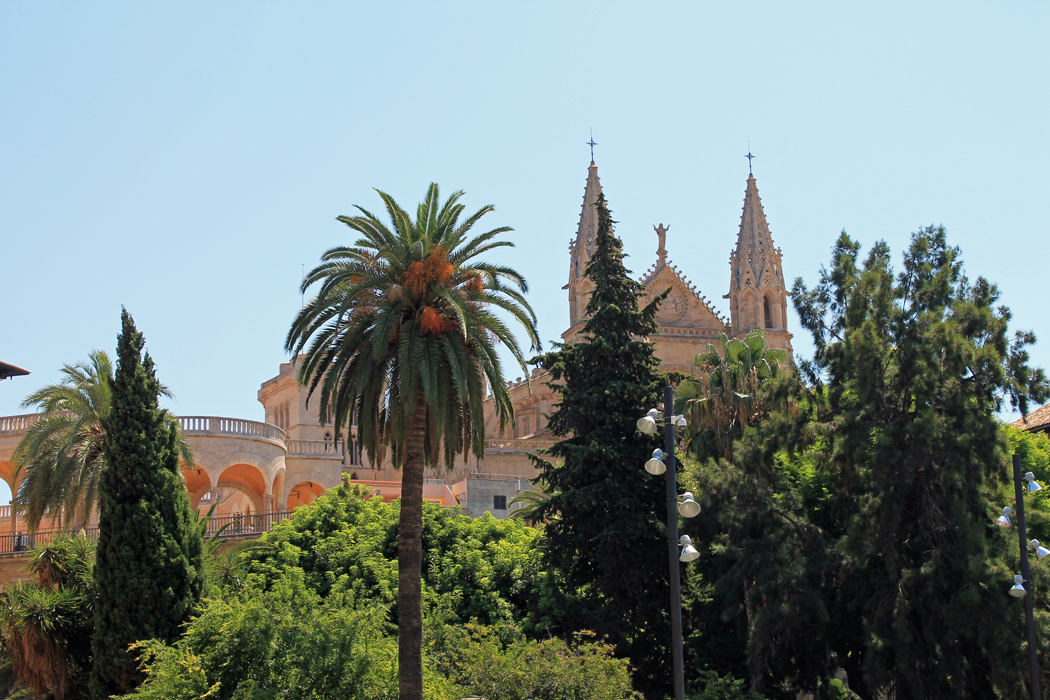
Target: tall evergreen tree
{"x":605,"y":533}
{"x":147,"y":571}
{"x":910,"y":371}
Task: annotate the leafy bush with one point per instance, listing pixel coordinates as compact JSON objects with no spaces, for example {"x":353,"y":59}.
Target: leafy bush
{"x":481,"y":663}
{"x":276,"y":643}
{"x":715,"y":687}
{"x":345,"y":544}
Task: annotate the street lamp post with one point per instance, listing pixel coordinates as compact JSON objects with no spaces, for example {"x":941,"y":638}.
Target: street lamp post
{"x":1026,"y":572}
{"x":663,"y":462}
{"x":672,"y":547}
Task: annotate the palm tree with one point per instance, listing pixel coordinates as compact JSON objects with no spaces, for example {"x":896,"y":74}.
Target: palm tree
{"x":529,"y":503}
{"x":47,"y":623}
{"x":63,"y":453}
{"x":402,"y":334}
{"x":722,"y":397}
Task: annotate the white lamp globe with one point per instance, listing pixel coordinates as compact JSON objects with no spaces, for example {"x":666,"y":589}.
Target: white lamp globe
{"x":656,"y":466}
{"x":1033,"y":485}
{"x":689,"y":508}
{"x":647,"y":423}
{"x":689,"y":552}
{"x":1018,"y":590}
{"x":1004,"y":519}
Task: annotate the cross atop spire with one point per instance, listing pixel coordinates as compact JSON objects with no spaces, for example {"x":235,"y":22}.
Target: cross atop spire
{"x":592,"y":143}
{"x":749,"y":157}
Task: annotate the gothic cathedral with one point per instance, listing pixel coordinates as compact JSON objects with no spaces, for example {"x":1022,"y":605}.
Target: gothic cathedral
{"x":688,"y":322}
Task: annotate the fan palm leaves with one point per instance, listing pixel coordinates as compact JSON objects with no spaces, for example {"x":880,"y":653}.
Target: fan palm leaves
{"x":722,"y":397}
{"x":62,"y":455}
{"x":401,"y":338}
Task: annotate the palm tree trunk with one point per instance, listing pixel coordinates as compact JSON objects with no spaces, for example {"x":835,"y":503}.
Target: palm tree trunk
{"x":410,"y":561}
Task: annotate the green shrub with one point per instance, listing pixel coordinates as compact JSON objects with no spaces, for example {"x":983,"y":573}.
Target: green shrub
{"x":276,"y":643}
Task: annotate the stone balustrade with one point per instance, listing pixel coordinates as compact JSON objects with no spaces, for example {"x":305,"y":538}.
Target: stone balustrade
{"x":236,"y":427}
{"x":16,"y":425}
{"x":314,"y":448}
{"x":516,"y":445}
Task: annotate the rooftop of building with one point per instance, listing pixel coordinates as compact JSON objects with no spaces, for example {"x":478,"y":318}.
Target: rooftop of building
{"x":1037,"y":420}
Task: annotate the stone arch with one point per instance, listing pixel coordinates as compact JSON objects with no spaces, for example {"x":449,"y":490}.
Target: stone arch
{"x":241,"y":488}
{"x":319,"y":480}
{"x":198,"y":482}
{"x":7,"y":473}
{"x":749,"y":310}
{"x":303,"y":493}
{"x":277,"y":487}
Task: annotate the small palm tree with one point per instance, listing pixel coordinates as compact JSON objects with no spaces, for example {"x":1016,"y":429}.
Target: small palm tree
{"x":62,"y":455}
{"x":530,"y":503}
{"x":722,"y":397}
{"x":402,"y":332}
{"x":47,"y":623}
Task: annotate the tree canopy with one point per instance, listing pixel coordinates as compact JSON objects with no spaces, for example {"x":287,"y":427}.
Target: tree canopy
{"x":148,"y":570}
{"x":605,"y":536}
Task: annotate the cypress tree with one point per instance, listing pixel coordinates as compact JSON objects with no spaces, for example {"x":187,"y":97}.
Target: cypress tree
{"x":605,"y":535}
{"x":147,"y":570}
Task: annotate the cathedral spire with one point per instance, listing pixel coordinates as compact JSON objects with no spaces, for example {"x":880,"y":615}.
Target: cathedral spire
{"x":583,"y":246}
{"x":588,"y":228}
{"x":757,"y":291}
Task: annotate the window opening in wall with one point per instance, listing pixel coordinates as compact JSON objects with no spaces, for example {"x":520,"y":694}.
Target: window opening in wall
{"x":769,"y":317}
{"x":499,"y":503}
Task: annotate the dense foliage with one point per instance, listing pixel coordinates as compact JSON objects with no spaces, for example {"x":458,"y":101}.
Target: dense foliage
{"x":47,"y":622}
{"x":313,"y":617}
{"x":915,"y":367}
{"x":605,"y":537}
{"x":148,"y":571}
{"x":345,"y":544}
{"x":401,"y":340}
{"x":852,"y":526}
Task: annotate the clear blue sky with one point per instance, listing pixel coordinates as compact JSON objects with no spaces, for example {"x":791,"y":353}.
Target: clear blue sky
{"x":186,"y":159}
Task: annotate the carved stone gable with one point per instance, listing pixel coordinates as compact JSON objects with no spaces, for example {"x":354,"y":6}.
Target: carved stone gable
{"x":683,"y":307}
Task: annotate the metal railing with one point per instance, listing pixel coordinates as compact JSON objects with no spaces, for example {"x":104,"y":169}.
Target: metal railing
{"x":226,"y":526}
{"x":245,"y":525}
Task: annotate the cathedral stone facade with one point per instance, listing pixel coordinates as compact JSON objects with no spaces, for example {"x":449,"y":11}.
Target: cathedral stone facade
{"x":688,"y":321}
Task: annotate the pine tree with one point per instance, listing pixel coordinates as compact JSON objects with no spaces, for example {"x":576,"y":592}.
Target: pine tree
{"x":910,"y":370}
{"x":147,"y":571}
{"x":605,"y":537}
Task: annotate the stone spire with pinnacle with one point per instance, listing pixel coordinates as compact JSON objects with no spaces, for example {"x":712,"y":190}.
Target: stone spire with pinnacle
{"x":757,"y":290}
{"x":583,"y":246}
